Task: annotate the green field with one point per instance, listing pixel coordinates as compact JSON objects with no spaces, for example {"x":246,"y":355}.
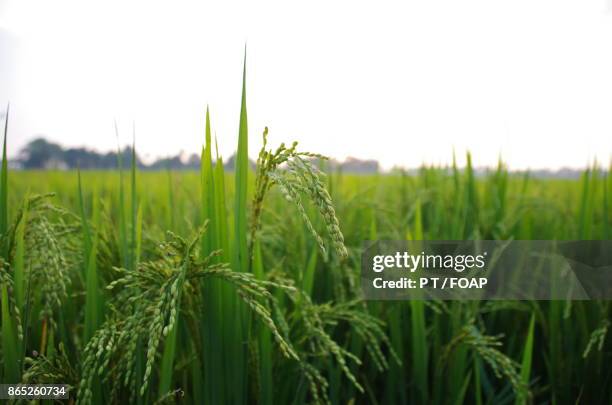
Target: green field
{"x":240,"y":288}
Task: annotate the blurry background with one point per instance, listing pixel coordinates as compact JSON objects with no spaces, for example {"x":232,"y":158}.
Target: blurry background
{"x":398,"y":82}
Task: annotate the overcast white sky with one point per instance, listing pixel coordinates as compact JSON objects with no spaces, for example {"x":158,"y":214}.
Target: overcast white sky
{"x":402,"y":82}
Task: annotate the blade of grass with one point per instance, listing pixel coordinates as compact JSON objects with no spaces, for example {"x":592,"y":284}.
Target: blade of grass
{"x":238,"y":365}
{"x":264,"y":340}
{"x":241,"y":256}
{"x":167,"y":363}
{"x":221,"y":209}
{"x":9,"y":342}
{"x":19,"y":258}
{"x":123,"y":234}
{"x":4,"y":190}
{"x":584,"y":220}
{"x":92,"y":297}
{"x":471,"y":206}
{"x":418,"y":330}
{"x":309,"y":272}
{"x":527,"y":358}
{"x":10,"y":346}
{"x":134,"y":206}
{"x":211,"y":327}
{"x":605,"y":225}
{"x":170,"y":203}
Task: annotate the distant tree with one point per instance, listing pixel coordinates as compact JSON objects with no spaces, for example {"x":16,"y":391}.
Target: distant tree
{"x":126,"y":157}
{"x":39,"y":153}
{"x":42,"y":154}
{"x":173,"y":163}
{"x":83,"y":158}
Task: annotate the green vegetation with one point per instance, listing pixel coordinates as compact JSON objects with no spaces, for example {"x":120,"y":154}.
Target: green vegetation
{"x":243,"y":287}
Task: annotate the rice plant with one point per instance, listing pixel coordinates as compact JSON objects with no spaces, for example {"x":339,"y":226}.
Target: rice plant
{"x":243,"y":287}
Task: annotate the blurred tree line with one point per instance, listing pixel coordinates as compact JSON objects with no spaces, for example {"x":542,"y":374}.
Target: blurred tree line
{"x":42,"y":154}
